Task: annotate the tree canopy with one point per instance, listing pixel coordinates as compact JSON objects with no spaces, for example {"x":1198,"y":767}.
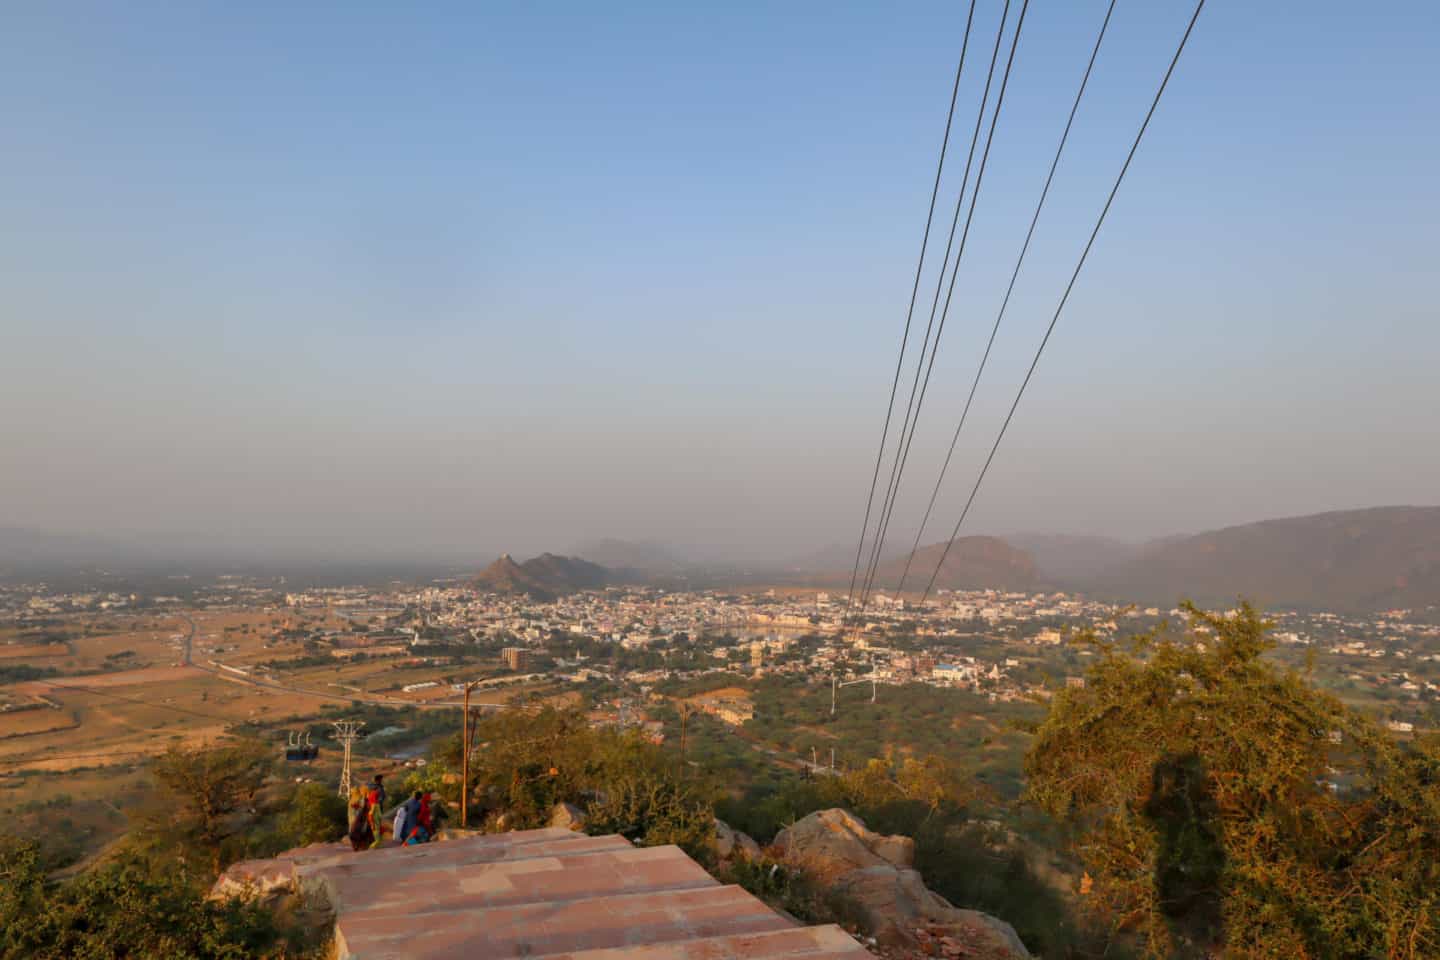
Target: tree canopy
{"x":1220,"y":802}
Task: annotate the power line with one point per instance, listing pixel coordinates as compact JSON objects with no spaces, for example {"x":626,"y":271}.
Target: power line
{"x":1014,"y":275}
{"x":1066,"y":296}
{"x":903,"y":458}
{"x":877,"y":544}
{"x":909,"y":313}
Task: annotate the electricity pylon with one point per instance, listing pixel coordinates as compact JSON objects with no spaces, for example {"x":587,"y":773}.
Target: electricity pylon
{"x":347,"y":732}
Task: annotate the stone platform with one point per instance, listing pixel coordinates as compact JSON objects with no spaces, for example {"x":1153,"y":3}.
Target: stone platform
{"x":542,"y":894}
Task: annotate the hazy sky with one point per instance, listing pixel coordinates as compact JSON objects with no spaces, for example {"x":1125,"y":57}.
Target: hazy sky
{"x":478,"y":276}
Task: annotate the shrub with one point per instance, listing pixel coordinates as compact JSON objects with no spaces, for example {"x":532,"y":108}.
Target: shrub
{"x":315,"y":815}
{"x":1223,"y":804}
{"x":124,"y":909}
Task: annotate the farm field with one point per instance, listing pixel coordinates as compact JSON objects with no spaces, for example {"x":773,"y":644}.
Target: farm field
{"x":100,"y":693}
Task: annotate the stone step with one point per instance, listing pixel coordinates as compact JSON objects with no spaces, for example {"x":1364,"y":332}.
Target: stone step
{"x":435,"y":863}
{"x":531,"y":929}
{"x":552,"y":879}
{"x":800,"y":943}
{"x":320,"y":856}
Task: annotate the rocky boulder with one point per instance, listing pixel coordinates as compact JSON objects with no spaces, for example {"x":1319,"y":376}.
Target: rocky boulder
{"x":874,"y":872}
{"x":898,"y":909}
{"x":567,"y":816}
{"x":254,"y":879}
{"x":837,"y":841}
{"x":731,"y":843}
{"x":264,"y":879}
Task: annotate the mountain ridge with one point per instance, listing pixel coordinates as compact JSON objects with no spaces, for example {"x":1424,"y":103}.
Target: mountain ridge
{"x":544,"y":577}
{"x":1374,"y":558}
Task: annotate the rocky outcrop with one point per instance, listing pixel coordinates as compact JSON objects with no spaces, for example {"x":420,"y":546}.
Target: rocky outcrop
{"x":266,"y":879}
{"x":567,"y":816}
{"x":833,"y":842}
{"x":875,"y":873}
{"x":730,"y":843}
{"x":251,"y":879}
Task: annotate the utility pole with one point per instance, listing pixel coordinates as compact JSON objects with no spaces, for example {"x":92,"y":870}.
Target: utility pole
{"x":465,"y":759}
{"x":684,"y":710}
{"x":347,"y":732}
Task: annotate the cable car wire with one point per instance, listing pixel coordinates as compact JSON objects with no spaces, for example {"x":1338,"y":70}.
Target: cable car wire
{"x":1064,"y":297}
{"x":877,"y":544}
{"x":909,"y":313}
{"x":1010,"y":289}
{"x":903,"y":453}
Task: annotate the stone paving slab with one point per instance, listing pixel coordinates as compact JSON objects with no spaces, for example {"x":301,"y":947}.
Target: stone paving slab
{"x":532,"y":929}
{"x":550,"y":879}
{"x":549,"y":894}
{"x":800,"y":943}
{"x":330,"y":855}
{"x":429,"y":866}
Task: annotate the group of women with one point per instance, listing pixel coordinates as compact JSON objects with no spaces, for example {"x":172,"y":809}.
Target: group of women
{"x":415,"y":821}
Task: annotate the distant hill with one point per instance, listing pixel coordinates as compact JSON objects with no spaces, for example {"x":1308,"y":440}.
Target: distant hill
{"x":1350,"y":560}
{"x":973,"y":563}
{"x":542,"y":578}
{"x":1066,"y":558}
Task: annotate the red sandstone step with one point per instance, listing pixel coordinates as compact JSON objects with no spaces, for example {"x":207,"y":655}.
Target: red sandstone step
{"x":436,"y":863}
{"x":332,"y":854}
{"x":534,"y":929}
{"x":555,"y":880}
{"x":800,"y":943}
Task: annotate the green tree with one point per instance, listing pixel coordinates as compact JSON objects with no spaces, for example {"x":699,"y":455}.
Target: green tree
{"x":125,"y":909}
{"x":530,"y":761}
{"x":314,"y":815}
{"x":207,"y":802}
{"x":1222,"y":803}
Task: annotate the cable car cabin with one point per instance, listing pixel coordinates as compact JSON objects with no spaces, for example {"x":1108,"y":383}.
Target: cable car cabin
{"x":299,"y":749}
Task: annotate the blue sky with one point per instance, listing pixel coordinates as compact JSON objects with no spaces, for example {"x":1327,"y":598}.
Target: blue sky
{"x":479,"y":277}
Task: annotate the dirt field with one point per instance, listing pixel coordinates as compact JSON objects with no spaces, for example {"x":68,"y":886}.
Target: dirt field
{"x":33,"y":651}
{"x":131,"y":699}
{"x":24,"y":723}
{"x":121,"y":678}
{"x":121,"y":696}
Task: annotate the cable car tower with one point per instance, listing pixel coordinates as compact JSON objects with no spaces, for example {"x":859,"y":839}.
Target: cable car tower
{"x":347,"y":732}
